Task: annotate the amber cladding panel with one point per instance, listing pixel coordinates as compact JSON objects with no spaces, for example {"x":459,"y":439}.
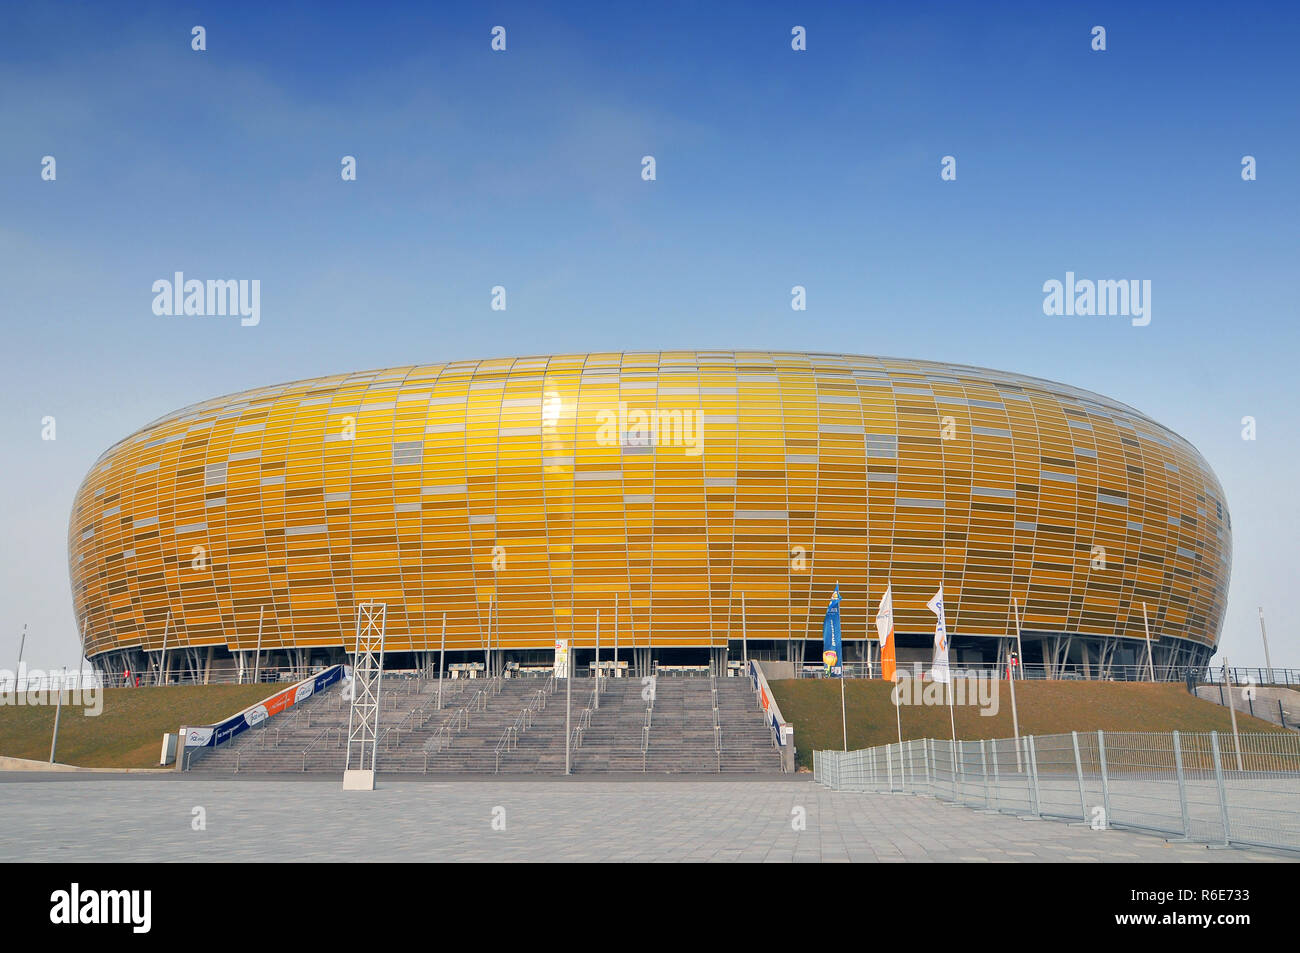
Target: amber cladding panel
{"x":666,"y":483}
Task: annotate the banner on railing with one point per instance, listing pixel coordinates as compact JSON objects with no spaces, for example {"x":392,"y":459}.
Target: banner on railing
{"x":780,"y":729}
{"x":206,"y":736}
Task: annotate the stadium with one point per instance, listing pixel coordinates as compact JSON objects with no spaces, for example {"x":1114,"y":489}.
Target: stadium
{"x":671,"y":504}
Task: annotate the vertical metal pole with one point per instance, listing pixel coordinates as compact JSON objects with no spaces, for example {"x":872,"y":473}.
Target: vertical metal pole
{"x":1020,"y":663}
{"x":952,"y":754}
{"x":889,"y":763}
{"x":744,"y":633}
{"x":442,"y":658}
{"x":58,"y":710}
{"x":1032,"y":749}
{"x":1020,"y":653}
{"x":487,"y":638}
{"x":568,"y":704}
{"x":844,"y":721}
{"x":1147,"y":628}
{"x":1078,"y":770}
{"x":952,"y":720}
{"x":1232,"y":707}
{"x":1029,"y":778}
{"x":616,"y":635}
{"x":598,"y":658}
{"x":1263,"y":633}
{"x":22,"y":643}
{"x":163,"y":660}
{"x":1182,"y":785}
{"x":1218,"y":780}
{"x":257,"y":659}
{"x":984,"y":771}
{"x":81,"y":661}
{"x":1105,"y":777}
{"x":898,"y":708}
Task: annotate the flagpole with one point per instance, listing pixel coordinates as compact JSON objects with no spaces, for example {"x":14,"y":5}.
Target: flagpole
{"x":1147,"y":628}
{"x":898,"y":708}
{"x":844,"y":723}
{"x":951,"y":718}
{"x":1011,"y":677}
{"x":952,"y":721}
{"x":1020,"y":649}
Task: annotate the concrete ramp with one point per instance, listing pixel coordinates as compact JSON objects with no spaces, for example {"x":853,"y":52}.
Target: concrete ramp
{"x":1281,"y":706}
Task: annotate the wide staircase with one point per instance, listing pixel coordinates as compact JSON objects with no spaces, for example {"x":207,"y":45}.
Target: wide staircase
{"x":679,"y":725}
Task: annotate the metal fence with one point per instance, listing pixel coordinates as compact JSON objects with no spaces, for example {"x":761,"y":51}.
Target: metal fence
{"x":1198,"y":786}
{"x":1076,"y":672}
{"x":36,"y":680}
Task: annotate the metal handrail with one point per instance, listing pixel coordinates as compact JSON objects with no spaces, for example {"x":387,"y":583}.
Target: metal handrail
{"x":508,"y":741}
{"x":406,"y":724}
{"x":320,"y":737}
{"x":440,"y":739}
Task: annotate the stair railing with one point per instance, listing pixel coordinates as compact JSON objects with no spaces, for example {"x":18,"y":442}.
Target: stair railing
{"x":508,"y":741}
{"x":324,"y":735}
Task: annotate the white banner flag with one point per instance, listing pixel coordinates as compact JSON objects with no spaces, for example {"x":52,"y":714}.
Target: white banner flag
{"x":939,"y":671}
{"x":885,"y":633}
{"x":561,"y":668}
{"x":885,"y":615}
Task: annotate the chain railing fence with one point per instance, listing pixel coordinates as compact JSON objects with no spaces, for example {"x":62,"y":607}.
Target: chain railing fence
{"x":1200,"y":786}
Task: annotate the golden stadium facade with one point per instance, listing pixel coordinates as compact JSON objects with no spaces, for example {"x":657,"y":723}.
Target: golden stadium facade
{"x":662,"y":491}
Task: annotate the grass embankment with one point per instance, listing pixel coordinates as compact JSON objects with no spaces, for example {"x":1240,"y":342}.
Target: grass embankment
{"x":128,"y":733}
{"x":813,"y":707}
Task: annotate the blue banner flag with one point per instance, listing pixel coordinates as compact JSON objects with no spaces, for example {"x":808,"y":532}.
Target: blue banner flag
{"x":831,"y":637}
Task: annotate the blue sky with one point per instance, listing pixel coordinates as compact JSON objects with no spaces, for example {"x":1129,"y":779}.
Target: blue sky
{"x":522,"y":168}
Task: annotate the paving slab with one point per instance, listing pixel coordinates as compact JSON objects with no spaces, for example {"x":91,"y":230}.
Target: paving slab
{"x":116,"y":819}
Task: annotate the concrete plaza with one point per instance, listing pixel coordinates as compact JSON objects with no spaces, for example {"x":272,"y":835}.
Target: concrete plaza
{"x":151,"y":818}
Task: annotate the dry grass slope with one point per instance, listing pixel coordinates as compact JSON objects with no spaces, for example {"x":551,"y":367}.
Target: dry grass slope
{"x":128,"y":733}
{"x":813,"y":706}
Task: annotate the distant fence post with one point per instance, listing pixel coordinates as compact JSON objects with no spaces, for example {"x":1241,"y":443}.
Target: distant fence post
{"x":1223,"y":794}
{"x":1182,"y":784}
{"x":958,"y":791}
{"x":1031,"y":750}
{"x":1078,"y":771}
{"x":1105,"y":779}
{"x":984,"y":770}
